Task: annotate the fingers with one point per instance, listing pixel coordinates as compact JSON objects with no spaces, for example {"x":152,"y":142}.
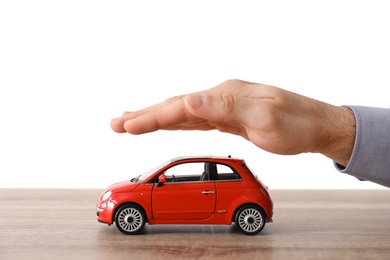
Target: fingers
{"x":117,"y":124}
{"x":157,"y":118}
{"x":170,"y":114}
{"x":230,"y":107}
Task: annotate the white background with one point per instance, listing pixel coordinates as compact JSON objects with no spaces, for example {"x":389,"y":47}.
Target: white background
{"x":68,"y":67}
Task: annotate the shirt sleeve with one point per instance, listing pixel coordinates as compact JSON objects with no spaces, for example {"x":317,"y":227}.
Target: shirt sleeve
{"x":370,"y":158}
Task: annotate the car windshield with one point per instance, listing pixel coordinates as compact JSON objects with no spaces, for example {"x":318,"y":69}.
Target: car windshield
{"x":146,"y":174}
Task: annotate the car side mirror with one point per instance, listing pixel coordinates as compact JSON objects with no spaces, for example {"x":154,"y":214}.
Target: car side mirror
{"x":161,"y":179}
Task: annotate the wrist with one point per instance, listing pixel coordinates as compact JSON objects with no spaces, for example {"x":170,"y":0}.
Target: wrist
{"x":337,"y":138}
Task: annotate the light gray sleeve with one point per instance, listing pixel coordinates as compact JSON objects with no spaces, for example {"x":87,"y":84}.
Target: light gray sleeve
{"x":370,"y":158}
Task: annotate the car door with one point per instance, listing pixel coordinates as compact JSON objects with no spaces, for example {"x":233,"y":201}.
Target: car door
{"x":185,"y":195}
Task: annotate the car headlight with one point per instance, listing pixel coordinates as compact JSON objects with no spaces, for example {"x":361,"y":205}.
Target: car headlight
{"x":106,"y":195}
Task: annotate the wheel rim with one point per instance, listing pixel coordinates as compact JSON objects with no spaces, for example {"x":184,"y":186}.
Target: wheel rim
{"x":250,"y":220}
{"x":130,"y":219}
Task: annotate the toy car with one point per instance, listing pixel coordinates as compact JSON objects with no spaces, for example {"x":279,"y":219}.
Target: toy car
{"x":189,"y":190}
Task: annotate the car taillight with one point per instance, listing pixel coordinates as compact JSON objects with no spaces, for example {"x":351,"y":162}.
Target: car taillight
{"x":265,"y":192}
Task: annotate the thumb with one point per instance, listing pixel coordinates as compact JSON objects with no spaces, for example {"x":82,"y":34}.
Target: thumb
{"x":222,"y":108}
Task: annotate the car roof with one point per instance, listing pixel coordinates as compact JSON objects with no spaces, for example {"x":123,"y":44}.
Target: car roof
{"x":179,"y":158}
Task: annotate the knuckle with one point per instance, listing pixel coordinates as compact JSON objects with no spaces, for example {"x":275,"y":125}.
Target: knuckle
{"x":233,"y":82}
{"x":228,"y":102}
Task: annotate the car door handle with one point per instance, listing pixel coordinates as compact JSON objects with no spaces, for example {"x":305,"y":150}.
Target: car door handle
{"x":207,"y":192}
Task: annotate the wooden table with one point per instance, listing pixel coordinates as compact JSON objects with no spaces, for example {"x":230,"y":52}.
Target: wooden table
{"x":308,"y":224}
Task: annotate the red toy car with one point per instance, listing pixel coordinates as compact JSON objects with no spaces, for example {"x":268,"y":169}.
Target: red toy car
{"x":189,"y":190}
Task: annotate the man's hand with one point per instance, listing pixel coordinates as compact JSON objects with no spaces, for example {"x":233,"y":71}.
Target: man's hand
{"x":274,"y":119}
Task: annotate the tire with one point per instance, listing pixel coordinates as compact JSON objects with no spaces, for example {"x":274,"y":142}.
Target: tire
{"x":130,"y":219}
{"x":250,"y":219}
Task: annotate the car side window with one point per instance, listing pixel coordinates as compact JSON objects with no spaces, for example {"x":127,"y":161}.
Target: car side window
{"x":225,"y":172}
{"x":186,"y":172}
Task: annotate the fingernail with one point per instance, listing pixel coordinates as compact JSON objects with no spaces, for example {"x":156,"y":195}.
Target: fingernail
{"x":126,"y":112}
{"x":196,"y":100}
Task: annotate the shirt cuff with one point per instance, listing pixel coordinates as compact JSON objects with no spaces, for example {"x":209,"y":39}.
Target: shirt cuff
{"x":370,"y":159}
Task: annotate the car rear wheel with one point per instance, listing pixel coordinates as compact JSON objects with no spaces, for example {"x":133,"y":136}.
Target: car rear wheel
{"x":130,"y":219}
{"x":250,"y":220}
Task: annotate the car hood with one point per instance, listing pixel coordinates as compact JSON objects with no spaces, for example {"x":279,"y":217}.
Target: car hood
{"x":123,"y":186}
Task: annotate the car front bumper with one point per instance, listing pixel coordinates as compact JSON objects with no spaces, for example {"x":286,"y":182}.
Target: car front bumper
{"x":104,"y":215}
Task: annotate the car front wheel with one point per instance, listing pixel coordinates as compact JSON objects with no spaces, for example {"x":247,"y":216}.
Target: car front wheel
{"x":130,"y":219}
{"x":250,"y":220}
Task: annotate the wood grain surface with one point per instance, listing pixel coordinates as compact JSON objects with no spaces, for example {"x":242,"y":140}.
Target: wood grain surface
{"x":308,"y":224}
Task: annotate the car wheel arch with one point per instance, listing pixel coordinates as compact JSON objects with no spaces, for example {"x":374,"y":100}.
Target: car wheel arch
{"x":233,"y":217}
{"x":129,"y":204}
